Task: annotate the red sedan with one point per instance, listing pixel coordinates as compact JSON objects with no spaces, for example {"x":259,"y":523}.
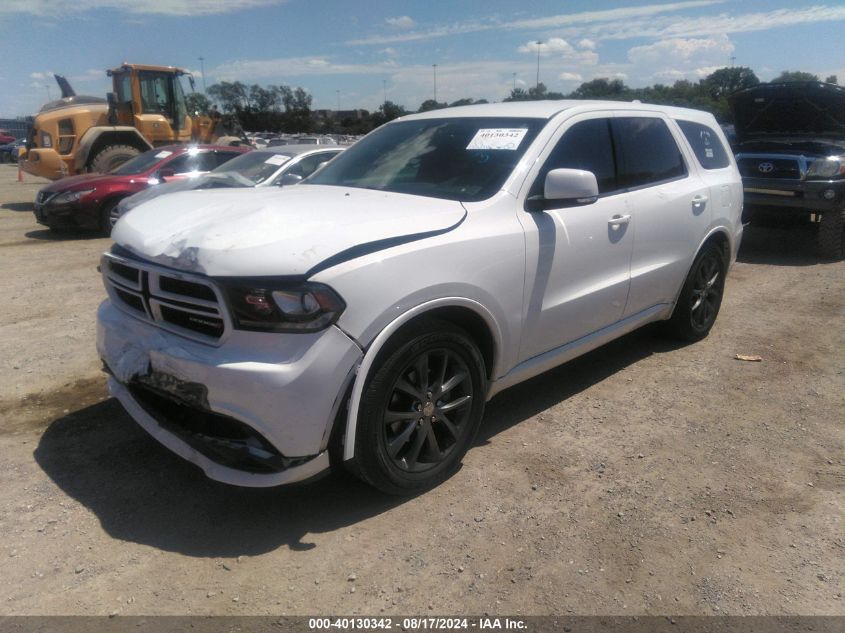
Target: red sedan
{"x":89,"y":201}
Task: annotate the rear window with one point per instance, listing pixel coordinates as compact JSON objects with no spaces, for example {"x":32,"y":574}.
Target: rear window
{"x":647,"y":152}
{"x":705,"y":144}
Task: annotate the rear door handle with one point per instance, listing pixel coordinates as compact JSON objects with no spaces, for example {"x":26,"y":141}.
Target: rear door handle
{"x":700,"y":200}
{"x":618,"y":220}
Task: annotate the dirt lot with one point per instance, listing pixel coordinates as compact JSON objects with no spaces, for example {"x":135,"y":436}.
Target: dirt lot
{"x":644,"y":478}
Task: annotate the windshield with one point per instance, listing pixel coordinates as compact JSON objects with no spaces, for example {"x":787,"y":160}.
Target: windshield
{"x":462,"y":158}
{"x":142,"y":162}
{"x":254,"y":166}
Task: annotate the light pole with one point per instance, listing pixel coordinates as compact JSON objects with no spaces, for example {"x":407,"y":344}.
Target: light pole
{"x":434,"y":66}
{"x":202,"y":70}
{"x":384,"y":85}
{"x":514,"y":80}
{"x":338,"y":102}
{"x":539,"y":43}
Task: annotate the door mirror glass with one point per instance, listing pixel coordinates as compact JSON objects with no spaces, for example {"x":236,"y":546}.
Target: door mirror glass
{"x":166,"y":172}
{"x":288,"y":179}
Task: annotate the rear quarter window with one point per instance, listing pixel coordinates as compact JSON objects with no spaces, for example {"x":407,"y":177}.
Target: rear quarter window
{"x":706,"y":146}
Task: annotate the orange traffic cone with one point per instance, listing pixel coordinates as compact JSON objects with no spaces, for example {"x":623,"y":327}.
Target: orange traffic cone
{"x":20,"y":172}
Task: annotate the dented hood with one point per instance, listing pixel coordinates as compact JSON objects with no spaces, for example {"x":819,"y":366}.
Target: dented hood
{"x":295,"y":231}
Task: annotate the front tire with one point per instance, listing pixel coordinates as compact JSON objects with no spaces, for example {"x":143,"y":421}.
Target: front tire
{"x":111,"y":157}
{"x":701,"y":297}
{"x":108,"y":216}
{"x":421,"y":410}
{"x":831,"y":238}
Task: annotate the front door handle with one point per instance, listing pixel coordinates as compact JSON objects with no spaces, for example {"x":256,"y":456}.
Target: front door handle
{"x":618,"y":220}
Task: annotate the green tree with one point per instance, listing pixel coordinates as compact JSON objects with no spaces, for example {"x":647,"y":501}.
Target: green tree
{"x":197,"y":103}
{"x":601,"y":88}
{"x":794,"y":75}
{"x":831,"y":80}
{"x":297,"y":104}
{"x":431,"y":104}
{"x":232,"y":96}
{"x":264,"y":99}
{"x":724,"y":82}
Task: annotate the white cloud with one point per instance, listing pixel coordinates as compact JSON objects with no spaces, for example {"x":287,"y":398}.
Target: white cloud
{"x":683,"y":51}
{"x":558,"y":47}
{"x":389,"y":51}
{"x":659,"y":27}
{"x":157,"y":7}
{"x":587,"y":44}
{"x":681,"y":58}
{"x":565,"y":76}
{"x":402,"y":22}
{"x":549,"y":22}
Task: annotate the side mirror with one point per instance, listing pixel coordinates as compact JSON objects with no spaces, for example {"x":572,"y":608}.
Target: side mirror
{"x":564,"y":188}
{"x":576,"y":185}
{"x":288,"y":179}
{"x":166,"y":172}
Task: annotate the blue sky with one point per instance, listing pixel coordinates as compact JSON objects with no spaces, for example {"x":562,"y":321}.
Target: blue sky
{"x":357,"y":50}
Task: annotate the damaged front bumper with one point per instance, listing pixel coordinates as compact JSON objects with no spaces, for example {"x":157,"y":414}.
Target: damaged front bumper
{"x":256,"y":411}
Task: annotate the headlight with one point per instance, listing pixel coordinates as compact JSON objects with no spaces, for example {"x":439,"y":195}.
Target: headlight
{"x":302,"y":307}
{"x":46,"y":139}
{"x":71,"y":196}
{"x":826,"y":168}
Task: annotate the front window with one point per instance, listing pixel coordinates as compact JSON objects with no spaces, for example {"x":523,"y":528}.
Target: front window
{"x":461,"y":158}
{"x":155,"y":93}
{"x":142,"y":162}
{"x":256,"y":167}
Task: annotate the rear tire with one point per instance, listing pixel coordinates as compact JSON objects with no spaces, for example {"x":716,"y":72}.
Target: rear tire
{"x":111,"y":157}
{"x":831,"y":237}
{"x":701,"y":297}
{"x":421,"y":409}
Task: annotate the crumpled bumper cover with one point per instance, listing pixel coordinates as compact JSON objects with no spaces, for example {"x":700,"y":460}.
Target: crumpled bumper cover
{"x":284,"y":387}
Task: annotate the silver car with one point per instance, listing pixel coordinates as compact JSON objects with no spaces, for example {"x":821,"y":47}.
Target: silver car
{"x":271,"y":167}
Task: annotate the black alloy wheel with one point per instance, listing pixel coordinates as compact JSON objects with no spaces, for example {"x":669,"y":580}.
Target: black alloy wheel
{"x":421,"y":409}
{"x":701,"y":297}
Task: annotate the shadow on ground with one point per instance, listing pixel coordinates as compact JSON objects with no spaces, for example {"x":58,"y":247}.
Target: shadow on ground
{"x":785,"y":245}
{"x":49,"y":235}
{"x":143,"y":493}
{"x":23,"y":207}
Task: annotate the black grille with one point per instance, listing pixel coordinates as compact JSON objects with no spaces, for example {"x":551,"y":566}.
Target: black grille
{"x":166,"y":298}
{"x":187,"y":288}
{"x":133,"y":301}
{"x":783,"y":168}
{"x":208,"y":325}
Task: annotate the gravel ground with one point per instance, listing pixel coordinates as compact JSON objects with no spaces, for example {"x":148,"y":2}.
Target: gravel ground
{"x":643,"y":478}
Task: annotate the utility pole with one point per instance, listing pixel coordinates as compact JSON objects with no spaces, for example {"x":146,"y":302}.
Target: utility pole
{"x":384,"y":86}
{"x":338,"y":102}
{"x":514,"y":80}
{"x":733,"y":59}
{"x":539,"y":43}
{"x":202,"y":70}
{"x":434,"y":66}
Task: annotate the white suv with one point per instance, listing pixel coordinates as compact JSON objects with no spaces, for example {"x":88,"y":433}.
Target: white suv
{"x":366,"y":316}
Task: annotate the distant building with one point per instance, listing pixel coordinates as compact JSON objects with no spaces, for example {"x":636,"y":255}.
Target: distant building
{"x":18,"y":127}
{"x":340,"y":115}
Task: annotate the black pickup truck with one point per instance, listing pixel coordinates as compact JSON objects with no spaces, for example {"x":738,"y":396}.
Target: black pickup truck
{"x":790,"y":149}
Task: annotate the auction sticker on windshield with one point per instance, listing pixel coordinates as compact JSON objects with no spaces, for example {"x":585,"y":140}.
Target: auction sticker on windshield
{"x":163,"y":154}
{"x":497,"y":138}
{"x":277,"y":159}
